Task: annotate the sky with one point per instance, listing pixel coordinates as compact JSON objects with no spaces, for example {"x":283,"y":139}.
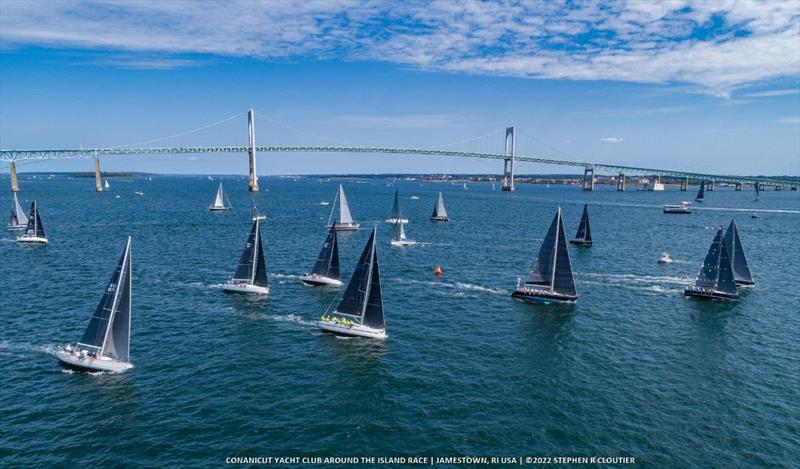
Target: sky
{"x":703,"y":86}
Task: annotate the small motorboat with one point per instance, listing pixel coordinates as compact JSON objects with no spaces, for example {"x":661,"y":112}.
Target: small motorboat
{"x":754,"y":215}
{"x":683,"y":207}
{"x":665,"y":259}
{"x":413,"y":197}
{"x":324,"y":202}
{"x":139,"y":193}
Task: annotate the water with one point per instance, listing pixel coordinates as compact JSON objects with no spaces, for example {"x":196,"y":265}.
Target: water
{"x":634,"y":369}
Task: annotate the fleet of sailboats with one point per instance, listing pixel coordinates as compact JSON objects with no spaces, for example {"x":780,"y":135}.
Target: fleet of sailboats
{"x":551,"y":279}
{"x":345,"y":220}
{"x":584,"y":235}
{"x":17,"y":220}
{"x":439,"y":212}
{"x":325,"y":271}
{"x":221,"y":201}
{"x":397,"y":214}
{"x":34,"y":231}
{"x":105,"y":345}
{"x":251,"y":273}
{"x":360,"y":311}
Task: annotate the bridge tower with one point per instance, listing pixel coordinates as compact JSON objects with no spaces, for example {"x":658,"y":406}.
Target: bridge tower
{"x":251,"y":150}
{"x":738,"y":187}
{"x":12,"y":168}
{"x":508,"y":163}
{"x":588,"y":179}
{"x":98,"y":183}
{"x":685,"y":184}
{"x":710,"y":185}
{"x":621,"y":182}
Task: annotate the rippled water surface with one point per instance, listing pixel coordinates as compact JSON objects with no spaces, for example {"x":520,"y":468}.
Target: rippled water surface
{"x":633,"y":369}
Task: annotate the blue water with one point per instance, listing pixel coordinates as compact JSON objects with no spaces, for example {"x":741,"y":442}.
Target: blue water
{"x":634,"y":369}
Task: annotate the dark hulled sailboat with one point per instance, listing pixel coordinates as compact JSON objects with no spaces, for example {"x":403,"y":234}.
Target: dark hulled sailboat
{"x":701,"y":193}
{"x":439,"y":212}
{"x":105,"y":345}
{"x":251,"y":273}
{"x":550,"y":280}
{"x":397,"y":214}
{"x":34,"y":231}
{"x":715,"y":279}
{"x":360,"y":312}
{"x":741,"y":271}
{"x":326,"y":269}
{"x":584,"y":235}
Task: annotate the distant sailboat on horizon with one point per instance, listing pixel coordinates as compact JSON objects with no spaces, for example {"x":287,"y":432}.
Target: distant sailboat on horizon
{"x":584,"y":235}
{"x":17,"y":220}
{"x":251,"y":273}
{"x":701,"y":193}
{"x":396,"y":216}
{"x":345,"y":221}
{"x":551,"y":279}
{"x":756,"y":192}
{"x":34,"y":231}
{"x":105,"y":345}
{"x":360,"y":311}
{"x":325,"y":271}
{"x":439,"y":211}
{"x":739,"y":266}
{"x":715,"y":279}
{"x":221,"y":201}
{"x":106,"y":186}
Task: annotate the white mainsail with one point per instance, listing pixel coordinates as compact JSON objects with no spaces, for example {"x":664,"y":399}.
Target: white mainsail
{"x":440,"y":210}
{"x":344,"y":209}
{"x":219,"y":201}
{"x":18,"y":214}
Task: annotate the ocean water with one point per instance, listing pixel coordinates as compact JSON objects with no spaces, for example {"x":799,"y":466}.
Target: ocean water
{"x":633,"y":369}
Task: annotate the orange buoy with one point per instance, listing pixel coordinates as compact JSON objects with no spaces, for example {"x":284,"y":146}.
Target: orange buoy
{"x":437,"y":271}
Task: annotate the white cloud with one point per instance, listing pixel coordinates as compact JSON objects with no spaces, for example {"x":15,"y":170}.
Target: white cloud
{"x":398,"y":122}
{"x":636,"y":41}
{"x":611,"y":140}
{"x":789,"y":120}
{"x":772,"y":93}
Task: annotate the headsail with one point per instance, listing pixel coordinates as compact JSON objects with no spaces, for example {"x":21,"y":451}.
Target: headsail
{"x":701,"y":192}
{"x":363,"y":298}
{"x":552,"y":268}
{"x":344,"y":209}
{"x":219,"y":201}
{"x":741,"y":271}
{"x":18,"y":218}
{"x":398,"y":232}
{"x":397,"y":214}
{"x":251,"y":268}
{"x":584,"y":231}
{"x":109,"y":328}
{"x":327,"y":263}
{"x":716,"y":272}
{"x":35,"y":227}
{"x":439,"y":212}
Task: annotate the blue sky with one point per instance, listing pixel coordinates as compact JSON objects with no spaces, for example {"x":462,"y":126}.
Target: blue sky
{"x":700,"y":86}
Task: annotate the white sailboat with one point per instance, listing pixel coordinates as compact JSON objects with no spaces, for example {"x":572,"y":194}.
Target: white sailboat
{"x":221,"y":201}
{"x":345,"y":221}
{"x":439,"y":212}
{"x":360,"y":312}
{"x":326,"y":269}
{"x":399,"y":237}
{"x":105,"y":185}
{"x":251,"y":273}
{"x":17,"y":220}
{"x":105,"y":345}
{"x":255,"y":213}
{"x":34,"y":231}
{"x":397,"y":214}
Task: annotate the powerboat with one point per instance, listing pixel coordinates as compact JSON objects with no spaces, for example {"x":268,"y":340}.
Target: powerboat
{"x":683,"y":207}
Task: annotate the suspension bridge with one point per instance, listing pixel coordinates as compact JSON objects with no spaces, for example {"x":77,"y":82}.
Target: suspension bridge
{"x":508,"y":155}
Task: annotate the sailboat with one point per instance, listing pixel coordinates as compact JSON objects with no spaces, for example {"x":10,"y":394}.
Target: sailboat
{"x":17,"y":220}
{"x":397,"y":215}
{"x":715,"y":279}
{"x":251,"y":273}
{"x":551,"y":279}
{"x":399,"y":236}
{"x":105,"y":345}
{"x":584,"y":235}
{"x":105,"y":185}
{"x":465,"y":187}
{"x":221,"y":201}
{"x":360,"y":312}
{"x":741,"y":271}
{"x":34,"y":231}
{"x":493,"y":187}
{"x":326,"y":269}
{"x":756,"y":192}
{"x":701,"y":193}
{"x":439,"y":212}
{"x":255,"y":213}
{"x":345,"y":221}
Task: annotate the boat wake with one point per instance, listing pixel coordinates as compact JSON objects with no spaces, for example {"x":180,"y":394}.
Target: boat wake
{"x":48,"y":349}
{"x":286,"y":276}
{"x":459,"y":287}
{"x":658,"y":284}
{"x":293,"y":318}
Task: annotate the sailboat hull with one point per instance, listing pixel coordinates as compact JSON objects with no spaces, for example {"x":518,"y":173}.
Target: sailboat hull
{"x":530,"y":295}
{"x":31,"y":239}
{"x":710,"y":294}
{"x":76,"y":362}
{"x":356,"y":330}
{"x":439,"y":219}
{"x":345,"y":226}
{"x":214,"y":208}
{"x":320,"y":281}
{"x":401,"y":243}
{"x":247,"y":288}
{"x":17,"y":227}
{"x":581,"y":242}
{"x":394,"y":221}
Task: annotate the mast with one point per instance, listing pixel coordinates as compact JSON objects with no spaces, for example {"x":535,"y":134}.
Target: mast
{"x":333,"y":206}
{"x":255,"y":250}
{"x":555,"y":253}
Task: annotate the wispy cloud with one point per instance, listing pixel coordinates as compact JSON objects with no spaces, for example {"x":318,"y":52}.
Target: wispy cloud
{"x":789,"y":120}
{"x":611,"y":139}
{"x":400,"y":122}
{"x":720,"y":45}
{"x":772,"y":93}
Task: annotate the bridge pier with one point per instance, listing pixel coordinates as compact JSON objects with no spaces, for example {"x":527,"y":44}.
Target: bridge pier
{"x":778,"y":187}
{"x":738,"y":187}
{"x":12,"y":168}
{"x":685,"y":184}
{"x":98,"y":183}
{"x":251,"y":150}
{"x":588,"y":179}
{"x":710,"y":185}
{"x":621,"y":182}
{"x":508,"y":163}
{"x":794,"y":188}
